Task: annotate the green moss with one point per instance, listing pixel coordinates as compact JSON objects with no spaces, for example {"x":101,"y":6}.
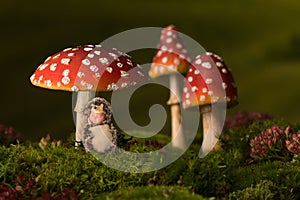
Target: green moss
{"x":153,"y":192}
{"x":58,"y":169}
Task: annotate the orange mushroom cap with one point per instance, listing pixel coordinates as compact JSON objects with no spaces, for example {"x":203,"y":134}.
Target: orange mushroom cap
{"x":88,"y":67}
{"x":172,"y":55}
{"x":207,"y":79}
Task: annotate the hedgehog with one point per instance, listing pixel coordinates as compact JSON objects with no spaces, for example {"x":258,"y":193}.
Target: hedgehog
{"x":100,"y":135}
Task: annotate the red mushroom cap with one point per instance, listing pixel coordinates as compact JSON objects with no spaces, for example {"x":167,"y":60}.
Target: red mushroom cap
{"x":89,"y":67}
{"x":203,"y":85}
{"x":172,"y":55}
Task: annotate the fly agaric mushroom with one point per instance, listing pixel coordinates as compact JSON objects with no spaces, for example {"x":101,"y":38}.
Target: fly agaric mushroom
{"x":208,"y":82}
{"x":172,"y":59}
{"x":86,"y":69}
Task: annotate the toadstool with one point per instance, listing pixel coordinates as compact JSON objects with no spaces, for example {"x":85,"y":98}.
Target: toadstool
{"x":86,"y":69}
{"x":209,"y":82}
{"x":172,"y":59}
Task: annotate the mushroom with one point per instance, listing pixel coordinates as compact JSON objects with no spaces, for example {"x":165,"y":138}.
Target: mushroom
{"x":172,"y":59}
{"x":86,"y":69}
{"x":209,"y":82}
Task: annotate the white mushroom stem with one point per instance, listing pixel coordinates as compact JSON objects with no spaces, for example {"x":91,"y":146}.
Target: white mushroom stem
{"x":178,"y":139}
{"x":83,"y":97}
{"x":211,"y":129}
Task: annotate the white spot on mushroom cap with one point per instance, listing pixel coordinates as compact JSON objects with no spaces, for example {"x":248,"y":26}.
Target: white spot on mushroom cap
{"x":208,"y":81}
{"x":202,"y":98}
{"x":94,"y":68}
{"x":65,"y":61}
{"x":86,"y":61}
{"x":66,"y":72}
{"x":48,"y":58}
{"x":123,"y":73}
{"x":71,"y":54}
{"x":164,"y":60}
{"x":87,"y":49}
{"x":224,"y":70}
{"x":164,"y":48}
{"x":169,"y":33}
{"x":120,"y":65}
{"x":197,"y":72}
{"x":91,"y":55}
{"x":113,"y":55}
{"x":109,"y":69}
{"x":219,"y":64}
{"x":65,"y":80}
{"x":206,"y":65}
{"x":89,"y":86}
{"x":176,"y":61}
{"x":190,"y":79}
{"x":97,"y":75}
{"x":224,"y":85}
{"x":185,"y":89}
{"x":56,"y":56}
{"x":187,"y":95}
{"x":67,"y":49}
{"x":210,"y":93}
{"x":169,"y":40}
{"x":74,"y":88}
{"x":198,"y":61}
{"x":129,"y":62}
{"x":58,"y":84}
{"x":204,"y":90}
{"x":53,"y":67}
{"x":80,"y":74}
{"x":181,"y":56}
{"x":178,"y":45}
{"x":97,"y":52}
{"x":194,"y":88}
{"x":48,"y":83}
{"x":32,"y":77}
{"x":104,"y":61}
{"x":159,"y":53}
{"x":43,"y":66}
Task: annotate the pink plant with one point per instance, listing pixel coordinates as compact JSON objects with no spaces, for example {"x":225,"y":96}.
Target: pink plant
{"x":271,"y":143}
{"x":293,"y":143}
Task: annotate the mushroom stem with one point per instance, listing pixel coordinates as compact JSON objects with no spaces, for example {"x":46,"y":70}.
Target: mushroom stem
{"x":83,"y":97}
{"x":211,"y":129}
{"x":178,"y":139}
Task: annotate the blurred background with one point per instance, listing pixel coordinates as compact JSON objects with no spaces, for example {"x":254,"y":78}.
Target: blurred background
{"x":259,"y":41}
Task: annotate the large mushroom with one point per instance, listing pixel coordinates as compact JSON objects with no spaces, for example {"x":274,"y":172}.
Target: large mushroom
{"x":209,"y":82}
{"x":86,"y":69}
{"x":172,"y":59}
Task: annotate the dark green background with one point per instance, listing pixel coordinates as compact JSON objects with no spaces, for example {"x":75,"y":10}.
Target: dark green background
{"x":259,"y":41}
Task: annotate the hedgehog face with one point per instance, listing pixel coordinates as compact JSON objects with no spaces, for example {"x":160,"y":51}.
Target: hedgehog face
{"x":99,"y":106}
{"x":98,"y":109}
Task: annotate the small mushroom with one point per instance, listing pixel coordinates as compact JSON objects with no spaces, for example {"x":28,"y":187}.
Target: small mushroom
{"x":86,"y":69}
{"x":209,"y":82}
{"x":99,"y":136}
{"x":172,"y":59}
